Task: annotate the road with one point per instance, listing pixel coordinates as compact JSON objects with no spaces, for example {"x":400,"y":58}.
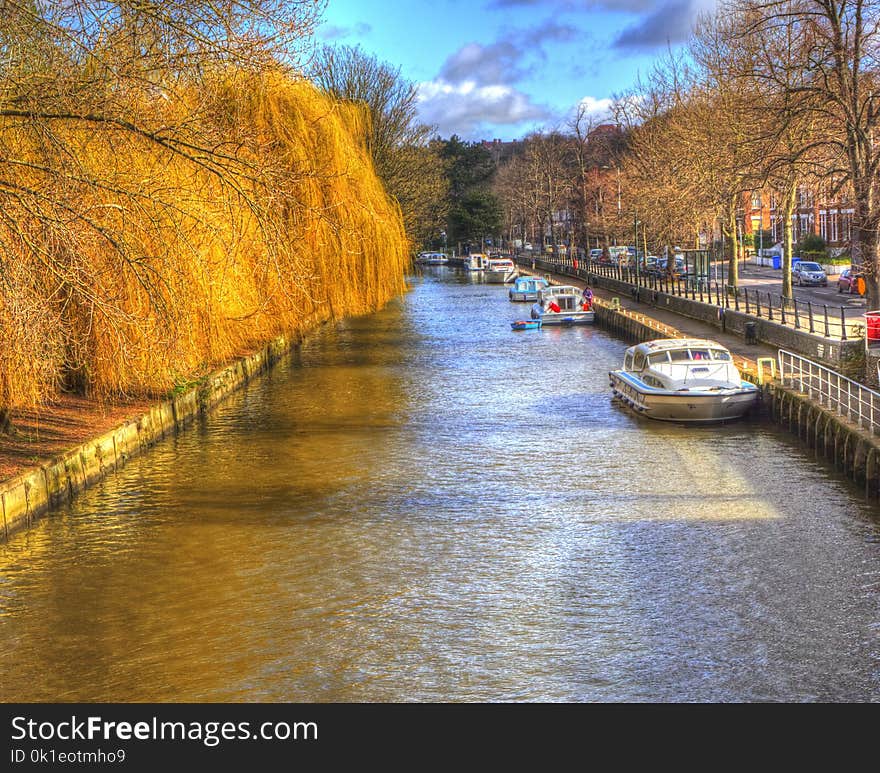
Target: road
{"x":770,"y":280}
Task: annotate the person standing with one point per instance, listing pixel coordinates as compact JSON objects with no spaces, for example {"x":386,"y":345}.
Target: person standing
{"x":587,"y":298}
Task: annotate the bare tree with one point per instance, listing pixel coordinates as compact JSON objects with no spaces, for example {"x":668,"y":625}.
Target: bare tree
{"x":838,"y":87}
{"x":667,"y":171}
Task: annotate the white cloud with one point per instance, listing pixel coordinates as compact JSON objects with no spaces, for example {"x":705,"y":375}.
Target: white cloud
{"x":600,"y":109}
{"x":469,"y":109}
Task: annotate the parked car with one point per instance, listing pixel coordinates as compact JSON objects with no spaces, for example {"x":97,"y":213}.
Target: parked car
{"x":596,"y":253}
{"x":806,"y":272}
{"x":848,"y":282}
{"x":659,"y":267}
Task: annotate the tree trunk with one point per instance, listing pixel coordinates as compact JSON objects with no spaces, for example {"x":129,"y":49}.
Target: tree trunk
{"x":869,"y":248}
{"x":5,"y":422}
{"x":788,"y":238}
{"x":733,"y":266}
{"x":866,"y":240}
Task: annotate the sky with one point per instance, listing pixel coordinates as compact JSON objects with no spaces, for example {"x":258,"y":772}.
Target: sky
{"x":497,"y":69}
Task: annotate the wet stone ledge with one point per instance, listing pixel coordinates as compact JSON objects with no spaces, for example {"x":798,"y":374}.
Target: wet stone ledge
{"x":37,"y":490}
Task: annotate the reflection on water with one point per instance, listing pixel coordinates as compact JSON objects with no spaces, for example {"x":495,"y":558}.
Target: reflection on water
{"x":425,"y":506}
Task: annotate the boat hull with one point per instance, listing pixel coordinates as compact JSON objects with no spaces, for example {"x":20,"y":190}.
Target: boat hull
{"x":522,"y":324}
{"x":499,"y":277}
{"x":691,"y":407}
{"x":565,"y":318}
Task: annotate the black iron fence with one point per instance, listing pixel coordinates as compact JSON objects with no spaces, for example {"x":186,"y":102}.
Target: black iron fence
{"x":817,"y":318}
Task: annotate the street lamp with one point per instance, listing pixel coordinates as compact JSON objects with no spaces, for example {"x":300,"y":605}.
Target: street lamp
{"x":617,"y":170}
{"x":636,"y":245}
{"x":618,"y":190}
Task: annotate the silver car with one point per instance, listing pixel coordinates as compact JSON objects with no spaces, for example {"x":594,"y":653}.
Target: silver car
{"x":806,"y":272}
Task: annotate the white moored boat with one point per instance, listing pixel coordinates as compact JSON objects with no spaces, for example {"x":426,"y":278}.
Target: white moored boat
{"x":683,"y":379}
{"x":525,"y":288}
{"x":432,"y":259}
{"x":476,"y":261}
{"x":500,"y":270}
{"x":562,"y":305}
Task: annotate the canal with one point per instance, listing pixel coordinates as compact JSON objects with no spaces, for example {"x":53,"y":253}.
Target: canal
{"x":423,"y":505}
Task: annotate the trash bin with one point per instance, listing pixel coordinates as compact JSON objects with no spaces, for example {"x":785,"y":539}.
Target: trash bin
{"x":777,"y":262}
{"x":872,"y":325}
{"x":752,"y":332}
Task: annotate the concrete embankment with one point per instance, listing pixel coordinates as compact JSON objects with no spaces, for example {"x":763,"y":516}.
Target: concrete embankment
{"x":850,"y":449}
{"x":36,"y":490}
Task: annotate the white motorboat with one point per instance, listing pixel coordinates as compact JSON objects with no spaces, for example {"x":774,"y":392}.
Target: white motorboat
{"x":562,"y":305}
{"x":500,"y":270}
{"x":432,"y":259}
{"x":525,"y":288}
{"x":476,"y":261}
{"x":683,"y":379}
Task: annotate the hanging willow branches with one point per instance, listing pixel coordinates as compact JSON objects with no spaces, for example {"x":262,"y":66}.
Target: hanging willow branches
{"x":171,"y":193}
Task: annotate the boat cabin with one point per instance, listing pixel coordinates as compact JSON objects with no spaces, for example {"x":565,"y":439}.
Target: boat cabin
{"x":681,"y":364}
{"x":529,"y":284}
{"x":476,"y":261}
{"x":566,"y":297}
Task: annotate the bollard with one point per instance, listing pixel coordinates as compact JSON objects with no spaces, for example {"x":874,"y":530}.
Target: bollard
{"x":760,"y":363}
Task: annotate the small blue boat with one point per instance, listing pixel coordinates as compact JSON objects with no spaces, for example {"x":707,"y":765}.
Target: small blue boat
{"x":526,"y":324}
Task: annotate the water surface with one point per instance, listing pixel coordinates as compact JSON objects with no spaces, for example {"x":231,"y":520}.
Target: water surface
{"x":423,"y":505}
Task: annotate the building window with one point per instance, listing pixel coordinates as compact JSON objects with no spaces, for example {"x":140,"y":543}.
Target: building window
{"x":846,"y":226}
{"x":756,"y":199}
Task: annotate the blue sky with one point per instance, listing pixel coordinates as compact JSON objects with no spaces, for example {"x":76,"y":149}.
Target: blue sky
{"x":499,"y":68}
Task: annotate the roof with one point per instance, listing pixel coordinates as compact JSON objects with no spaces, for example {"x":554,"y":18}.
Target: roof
{"x":665,"y":344}
{"x":565,"y":289}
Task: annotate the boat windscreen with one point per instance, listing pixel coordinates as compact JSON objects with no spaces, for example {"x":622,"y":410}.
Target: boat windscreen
{"x":657,"y":357}
{"x":720,"y":354}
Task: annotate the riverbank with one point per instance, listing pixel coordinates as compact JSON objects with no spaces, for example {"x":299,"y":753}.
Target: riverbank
{"x":75,"y":442}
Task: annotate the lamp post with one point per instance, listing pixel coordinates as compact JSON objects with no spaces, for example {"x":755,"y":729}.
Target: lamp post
{"x":636,"y":245}
{"x":617,"y":170}
{"x":618,"y":190}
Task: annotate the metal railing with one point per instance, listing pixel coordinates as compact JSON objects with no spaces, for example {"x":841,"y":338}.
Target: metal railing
{"x":818,"y":319}
{"x":846,"y":397}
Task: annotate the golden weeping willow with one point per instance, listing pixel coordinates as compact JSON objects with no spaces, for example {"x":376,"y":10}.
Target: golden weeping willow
{"x":127,"y":266}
